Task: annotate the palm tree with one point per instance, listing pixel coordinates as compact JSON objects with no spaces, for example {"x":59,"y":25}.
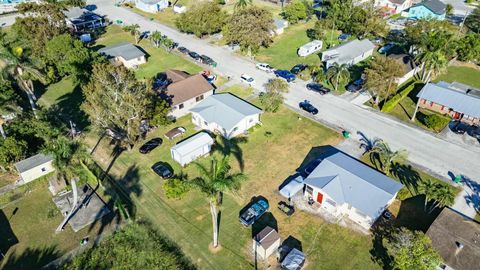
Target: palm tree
{"x":156,"y":38}
{"x":387,"y":156}
{"x":368,"y":144}
{"x":444,"y":196}
{"x":433,"y":63}
{"x":338,"y":73}
{"x":22,"y":71}
{"x":427,"y":188}
{"x":243,"y":3}
{"x":213,"y":182}
{"x":134,"y":30}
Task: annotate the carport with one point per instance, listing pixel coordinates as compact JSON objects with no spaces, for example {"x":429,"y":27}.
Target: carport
{"x":292,"y":188}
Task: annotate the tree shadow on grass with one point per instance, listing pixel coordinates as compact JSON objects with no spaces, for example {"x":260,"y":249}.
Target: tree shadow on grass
{"x":378,"y":253}
{"x":7,"y":237}
{"x":232,"y":147}
{"x":413,"y":216}
{"x":31,"y":258}
{"x":407,"y":175}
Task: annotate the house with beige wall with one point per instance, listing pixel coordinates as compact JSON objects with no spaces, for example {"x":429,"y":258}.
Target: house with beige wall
{"x":34,"y":167}
{"x":184,"y":91}
{"x":225,"y":114}
{"x":345,"y":187}
{"x":125,"y":54}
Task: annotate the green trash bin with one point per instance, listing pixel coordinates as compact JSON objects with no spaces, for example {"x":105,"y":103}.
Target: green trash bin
{"x":346,"y":134}
{"x":458,"y":178}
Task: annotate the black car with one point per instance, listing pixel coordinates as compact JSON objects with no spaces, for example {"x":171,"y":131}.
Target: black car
{"x":306,"y":106}
{"x":316,"y":87}
{"x":194,"y":55}
{"x":207,"y":60}
{"x":458,"y":127}
{"x":475,"y":132}
{"x":183,"y":50}
{"x":162,"y":170}
{"x":298,"y":68}
{"x":150,"y":145}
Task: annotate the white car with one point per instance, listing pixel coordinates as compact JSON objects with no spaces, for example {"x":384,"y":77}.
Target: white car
{"x":265,"y":67}
{"x":247,"y":79}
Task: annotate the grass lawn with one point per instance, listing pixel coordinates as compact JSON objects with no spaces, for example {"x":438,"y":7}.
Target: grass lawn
{"x":271,"y":154}
{"x":460,"y":74}
{"x":27,"y":230}
{"x":282,"y":54}
{"x":158,"y":59}
{"x":239,"y":91}
{"x":55,"y":92}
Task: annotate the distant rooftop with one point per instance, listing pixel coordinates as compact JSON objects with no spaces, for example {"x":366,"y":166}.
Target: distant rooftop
{"x":436,"y":6}
{"x":347,"y":51}
{"x":126,"y":50}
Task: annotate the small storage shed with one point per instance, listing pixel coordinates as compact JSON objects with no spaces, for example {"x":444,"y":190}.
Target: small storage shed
{"x":34,"y":167}
{"x":265,"y":243}
{"x":192,"y":148}
{"x":309,"y":48}
{"x":293,"y":261}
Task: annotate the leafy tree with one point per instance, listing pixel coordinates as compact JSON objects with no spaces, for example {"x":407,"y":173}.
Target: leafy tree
{"x":381,"y":75}
{"x":243,"y":3}
{"x":11,"y":151}
{"x":251,"y":28}
{"x":411,"y":250}
{"x":158,"y":111}
{"x":469,"y":48}
{"x":295,"y":11}
{"x":472,"y":22}
{"x":175,"y":188}
{"x":338,"y":74}
{"x":204,"y":18}
{"x":449,"y":9}
{"x":387,"y":157}
{"x":115,"y":100}
{"x":137,"y":246}
{"x":273,"y":97}
{"x":134,"y":30}
{"x":68,"y":155}
{"x":69,"y":56}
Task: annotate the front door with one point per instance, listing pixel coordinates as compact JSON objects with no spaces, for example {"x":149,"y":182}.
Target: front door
{"x":319,"y":197}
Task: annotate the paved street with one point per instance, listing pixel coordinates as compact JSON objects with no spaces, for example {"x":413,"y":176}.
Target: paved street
{"x":426,"y":150}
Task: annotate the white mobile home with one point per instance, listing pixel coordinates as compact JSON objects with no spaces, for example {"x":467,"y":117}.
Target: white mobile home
{"x":34,"y":167}
{"x":310,"y":48}
{"x":192,"y":148}
{"x":348,"y":53}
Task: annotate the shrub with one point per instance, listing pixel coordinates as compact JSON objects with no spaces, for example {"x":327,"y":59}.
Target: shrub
{"x":391,"y":103}
{"x":436,"y":122}
{"x":305,"y":75}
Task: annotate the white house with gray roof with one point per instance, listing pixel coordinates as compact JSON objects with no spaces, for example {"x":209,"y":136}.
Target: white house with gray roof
{"x":349,"y":53}
{"x":225,"y":114}
{"x":151,"y":6}
{"x":345,"y":187}
{"x":192,"y":148}
{"x":125,"y":54}
{"x":34,"y":167}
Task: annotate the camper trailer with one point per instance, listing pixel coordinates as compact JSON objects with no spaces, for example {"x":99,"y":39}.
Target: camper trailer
{"x":310,"y":48}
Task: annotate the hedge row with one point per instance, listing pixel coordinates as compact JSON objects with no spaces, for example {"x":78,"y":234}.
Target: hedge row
{"x":391,"y":103}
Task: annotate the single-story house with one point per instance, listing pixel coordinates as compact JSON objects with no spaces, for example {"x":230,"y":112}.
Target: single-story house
{"x":393,"y":6}
{"x":226,"y":114}
{"x":34,"y":167}
{"x":457,"y":240}
{"x":125,"y":54}
{"x":409,"y":66}
{"x":349,"y":53}
{"x":460,"y":101}
{"x":151,"y":6}
{"x":266,"y":242}
{"x":344,"y":186}
{"x":192,"y":148}
{"x":185,"y":91}
{"x":428,"y":9}
{"x":279,"y":26}
{"x":80,"y":19}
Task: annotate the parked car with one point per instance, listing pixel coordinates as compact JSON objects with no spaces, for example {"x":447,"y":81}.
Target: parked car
{"x":298,"y":68}
{"x":207,"y":60}
{"x":285,"y":208}
{"x":458,"y":127}
{"x":175,"y":132}
{"x":194,"y":55}
{"x":162,"y":170}
{"x":254,"y":212}
{"x":265,"y":67}
{"x":387,"y":47}
{"x":150,"y":145}
{"x":356,"y":86}
{"x":475,"y":132}
{"x":285,"y":74}
{"x":343,"y":36}
{"x":316,"y":87}
{"x":183,"y":50}
{"x":247,"y":79}
{"x":306,"y":106}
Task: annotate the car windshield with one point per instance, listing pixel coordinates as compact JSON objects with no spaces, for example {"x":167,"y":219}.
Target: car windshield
{"x":250,"y":79}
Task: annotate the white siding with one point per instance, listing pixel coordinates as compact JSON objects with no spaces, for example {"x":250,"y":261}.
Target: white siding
{"x":37,"y":172}
{"x":242,"y":126}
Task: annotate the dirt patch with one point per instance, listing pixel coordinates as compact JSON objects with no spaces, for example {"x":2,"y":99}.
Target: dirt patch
{"x":214,"y":250}
{"x":201,"y":217}
{"x":464,"y":64}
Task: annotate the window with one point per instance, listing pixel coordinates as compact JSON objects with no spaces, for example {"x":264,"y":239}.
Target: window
{"x":310,"y":190}
{"x":431,"y":103}
{"x":180,"y":106}
{"x":199,"y":98}
{"x":205,"y":123}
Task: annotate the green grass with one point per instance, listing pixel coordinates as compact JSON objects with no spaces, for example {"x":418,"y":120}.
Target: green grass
{"x":269,"y":160}
{"x":54,"y":92}
{"x":158,"y":60}
{"x":239,"y":91}
{"x":464,"y":75}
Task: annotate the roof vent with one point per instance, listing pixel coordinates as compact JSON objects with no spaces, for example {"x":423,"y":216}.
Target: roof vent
{"x":459,"y":247}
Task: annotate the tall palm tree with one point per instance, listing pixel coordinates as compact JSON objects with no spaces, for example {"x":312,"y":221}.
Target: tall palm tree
{"x":243,"y":3}
{"x":444,"y":196}
{"x":156,"y":38}
{"x":433,"y":63}
{"x":427,"y":188}
{"x":22,"y":71}
{"x":134,"y":30}
{"x":387,"y":156}
{"x":338,"y":73}
{"x":213,"y":182}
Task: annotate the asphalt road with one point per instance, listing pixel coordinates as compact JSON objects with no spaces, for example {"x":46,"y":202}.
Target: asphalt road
{"x":427,"y":151}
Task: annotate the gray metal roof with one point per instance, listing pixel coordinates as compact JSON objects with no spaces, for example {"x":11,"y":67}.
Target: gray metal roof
{"x":454,"y":96}
{"x":436,"y":6}
{"x":32,"y":162}
{"x":347,"y":51}
{"x":279,"y":23}
{"x":126,"y":50}
{"x":191,"y":144}
{"x":226,"y":110}
{"x":347,"y":180}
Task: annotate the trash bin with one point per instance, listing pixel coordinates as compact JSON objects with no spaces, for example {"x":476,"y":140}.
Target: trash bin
{"x":214,"y":65}
{"x":346,"y":134}
{"x":458,"y":178}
